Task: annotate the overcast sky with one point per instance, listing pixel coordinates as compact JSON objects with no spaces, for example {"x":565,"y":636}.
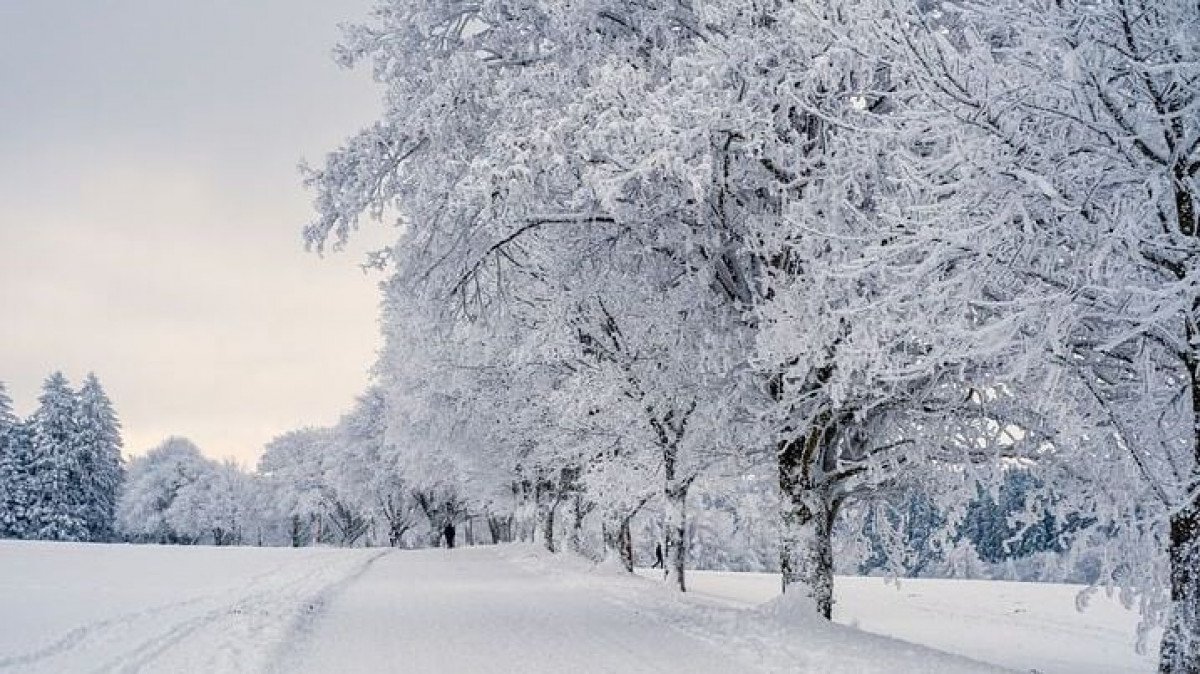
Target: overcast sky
{"x":150,"y":214}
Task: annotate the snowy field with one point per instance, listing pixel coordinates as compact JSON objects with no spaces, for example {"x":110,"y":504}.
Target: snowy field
{"x":83,"y":608}
{"x":68,"y":608}
{"x":1023,"y":626}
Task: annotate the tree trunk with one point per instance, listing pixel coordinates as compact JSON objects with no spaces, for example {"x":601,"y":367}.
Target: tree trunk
{"x":297,"y":532}
{"x":626,"y":540}
{"x":579,"y":512}
{"x":397,"y":526}
{"x":537,"y":524}
{"x":1180,"y":652}
{"x":548,"y":525}
{"x":526,"y":515}
{"x":675,"y":532}
{"x":618,"y":540}
{"x":670,"y":430}
{"x":806,"y":546}
{"x":497,"y":529}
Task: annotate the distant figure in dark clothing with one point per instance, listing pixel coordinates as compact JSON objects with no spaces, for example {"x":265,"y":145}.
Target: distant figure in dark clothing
{"x":658,"y":559}
{"x":448,"y":532}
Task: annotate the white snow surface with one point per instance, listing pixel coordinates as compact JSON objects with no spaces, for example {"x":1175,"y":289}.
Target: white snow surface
{"x":83,"y":608}
{"x":519,"y":609}
{"x":67,"y":607}
{"x":1029,"y":627}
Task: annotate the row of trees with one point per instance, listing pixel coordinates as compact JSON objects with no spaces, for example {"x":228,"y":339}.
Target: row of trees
{"x":347,"y":486}
{"x":866,"y":246}
{"x":60,"y":469}
{"x":331,"y":486}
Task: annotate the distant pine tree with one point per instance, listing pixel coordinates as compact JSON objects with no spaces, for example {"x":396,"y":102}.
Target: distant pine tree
{"x":903,"y":534}
{"x":98,"y":443}
{"x":17,"y":488}
{"x":57,"y":511}
{"x":1019,"y":521}
{"x":14,"y":471}
{"x":7,"y":418}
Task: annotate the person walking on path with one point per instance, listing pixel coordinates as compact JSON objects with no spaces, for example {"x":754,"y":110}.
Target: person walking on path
{"x":658,"y":557}
{"x":448,"y":532}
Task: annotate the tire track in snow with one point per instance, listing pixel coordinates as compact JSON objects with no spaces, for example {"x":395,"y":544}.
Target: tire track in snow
{"x":306,"y":620}
{"x":242,"y":621}
{"x":77,"y":637}
{"x":231,"y":629}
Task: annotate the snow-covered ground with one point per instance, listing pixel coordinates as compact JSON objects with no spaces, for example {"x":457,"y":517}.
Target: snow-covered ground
{"x":114,"y":608}
{"x":1024,"y":626}
{"x":519,"y":609}
{"x":67,"y":608}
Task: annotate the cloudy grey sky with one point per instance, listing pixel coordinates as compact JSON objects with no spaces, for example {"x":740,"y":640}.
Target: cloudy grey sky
{"x":150,"y":212}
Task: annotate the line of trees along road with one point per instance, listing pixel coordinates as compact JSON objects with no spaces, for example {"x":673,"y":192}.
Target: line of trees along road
{"x":794,"y":285}
{"x":862,"y":246}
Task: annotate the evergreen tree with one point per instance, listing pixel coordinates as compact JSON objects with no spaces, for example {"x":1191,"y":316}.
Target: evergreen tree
{"x":1020,"y":520}
{"x":57,"y":509}
{"x":99,"y":447}
{"x":903,"y":534}
{"x":13,"y":476}
{"x":16,"y":482}
{"x":7,"y":418}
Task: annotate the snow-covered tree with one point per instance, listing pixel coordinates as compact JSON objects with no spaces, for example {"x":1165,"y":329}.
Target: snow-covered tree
{"x":293,"y":471}
{"x":365,"y":473}
{"x":215,"y":506}
{"x":913,"y":240}
{"x":8,"y":420}
{"x":1081,"y":149}
{"x":524,"y":221}
{"x":99,"y":442}
{"x":153,"y":482}
{"x":16,"y":483}
{"x":57,"y":510}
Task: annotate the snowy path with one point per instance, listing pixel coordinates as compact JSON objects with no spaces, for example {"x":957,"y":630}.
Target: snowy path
{"x":470,"y":610}
{"x":514,"y":609}
{"x":132,"y":608}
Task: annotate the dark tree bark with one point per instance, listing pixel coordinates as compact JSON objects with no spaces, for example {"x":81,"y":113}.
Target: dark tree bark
{"x":806,"y":548}
{"x":579,"y":511}
{"x":350,"y":524}
{"x":675,"y":533}
{"x":618,"y":539}
{"x":500,"y":528}
{"x":670,"y":431}
{"x":399,"y":519}
{"x":1180,"y":652}
{"x":548,"y":525}
{"x":297,"y":532}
